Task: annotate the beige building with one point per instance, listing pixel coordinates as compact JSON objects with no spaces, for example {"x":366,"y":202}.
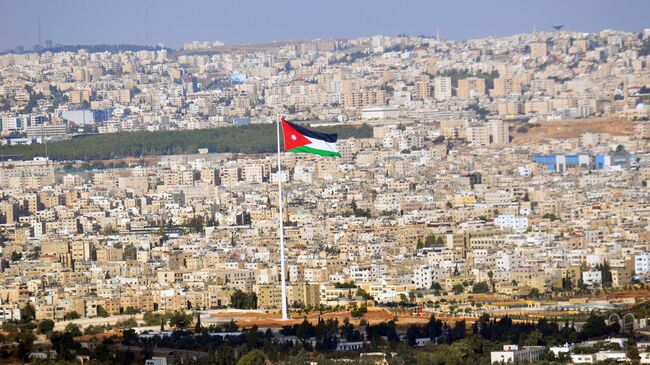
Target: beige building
{"x":82,"y":250}
{"x":510,"y":108}
{"x":538,"y":49}
{"x":423,"y":89}
{"x":471,"y":87}
{"x":453,"y":128}
{"x":270,"y":296}
{"x":504,"y":86}
{"x":360,"y":99}
{"x":442,"y":88}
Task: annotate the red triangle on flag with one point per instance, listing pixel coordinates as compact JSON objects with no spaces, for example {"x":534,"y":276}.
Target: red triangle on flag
{"x":292,"y":138}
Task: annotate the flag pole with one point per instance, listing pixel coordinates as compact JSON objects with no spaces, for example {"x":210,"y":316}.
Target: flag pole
{"x":282,"y":271}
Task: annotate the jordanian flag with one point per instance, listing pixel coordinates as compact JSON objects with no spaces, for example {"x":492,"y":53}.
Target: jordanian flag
{"x":302,"y":140}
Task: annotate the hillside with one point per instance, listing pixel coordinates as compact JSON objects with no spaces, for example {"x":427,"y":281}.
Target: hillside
{"x":573,"y":129}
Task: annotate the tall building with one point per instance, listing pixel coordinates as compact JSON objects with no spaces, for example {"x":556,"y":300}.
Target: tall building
{"x":82,"y":250}
{"x":504,"y":86}
{"x":471,"y":87}
{"x":423,"y":89}
{"x":494,"y":132}
{"x":442,"y":88}
{"x":499,"y":132}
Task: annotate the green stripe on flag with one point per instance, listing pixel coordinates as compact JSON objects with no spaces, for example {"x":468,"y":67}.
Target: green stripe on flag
{"x":305,"y":149}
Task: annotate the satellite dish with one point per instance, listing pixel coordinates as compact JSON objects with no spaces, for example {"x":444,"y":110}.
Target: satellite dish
{"x":558,"y":27}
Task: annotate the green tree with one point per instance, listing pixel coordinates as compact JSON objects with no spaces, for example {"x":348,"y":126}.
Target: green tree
{"x":359,"y":312}
{"x":606,"y":274}
{"x":130,"y":252}
{"x":550,"y":216}
{"x":197,"y":327}
{"x":27,"y":313}
{"x":45,"y":326}
{"x":101,"y":312}
{"x":480,"y":287}
{"x":151,"y":319}
{"x":16,"y":256}
{"x":241,"y":300}
{"x":195,"y":224}
{"x":257,"y":138}
{"x":363,"y":294}
{"x":131,"y":310}
{"x":458,"y":289}
{"x":632,"y":351}
{"x":73,"y":329}
{"x":71,"y":315}
{"x":226,"y":356}
{"x":534,"y":338}
{"x":430,"y":240}
{"x":534,"y":293}
{"x":492,"y":282}
{"x":180,"y":320}
{"x":434,"y":327}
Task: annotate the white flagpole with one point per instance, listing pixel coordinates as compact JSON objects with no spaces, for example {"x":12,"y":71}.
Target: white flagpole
{"x":282,"y":272}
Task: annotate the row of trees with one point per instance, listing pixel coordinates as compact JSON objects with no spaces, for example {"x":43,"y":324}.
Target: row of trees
{"x":242,"y":300}
{"x":259,"y":138}
{"x":430,"y":241}
{"x":458,"y":343}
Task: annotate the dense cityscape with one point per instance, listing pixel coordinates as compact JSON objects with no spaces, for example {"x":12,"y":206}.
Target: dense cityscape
{"x":489,"y":205}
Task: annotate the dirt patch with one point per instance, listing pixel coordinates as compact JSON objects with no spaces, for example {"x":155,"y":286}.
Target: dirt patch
{"x":373,"y":316}
{"x":564,"y":129}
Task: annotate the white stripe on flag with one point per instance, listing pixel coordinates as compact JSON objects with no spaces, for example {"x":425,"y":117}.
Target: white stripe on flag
{"x":319,"y":144}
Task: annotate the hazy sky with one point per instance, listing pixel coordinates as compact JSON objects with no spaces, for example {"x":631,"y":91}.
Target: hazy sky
{"x":241,"y":21}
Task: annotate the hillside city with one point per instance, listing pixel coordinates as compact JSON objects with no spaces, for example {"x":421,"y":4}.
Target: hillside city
{"x":492,"y":205}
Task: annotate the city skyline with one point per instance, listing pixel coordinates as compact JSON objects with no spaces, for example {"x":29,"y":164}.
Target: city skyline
{"x":148,"y":23}
{"x":356,"y":186}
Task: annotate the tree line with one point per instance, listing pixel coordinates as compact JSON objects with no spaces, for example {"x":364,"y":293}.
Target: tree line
{"x":258,"y":138}
{"x":455,"y":343}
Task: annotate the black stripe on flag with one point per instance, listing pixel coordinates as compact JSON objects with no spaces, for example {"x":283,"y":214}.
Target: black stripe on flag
{"x":331,"y":138}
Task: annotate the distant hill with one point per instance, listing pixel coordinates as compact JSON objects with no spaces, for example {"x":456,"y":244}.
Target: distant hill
{"x":258,"y":138}
{"x":92,"y":48}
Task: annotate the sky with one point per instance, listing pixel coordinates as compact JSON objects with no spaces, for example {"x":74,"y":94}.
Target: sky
{"x":173,"y":23}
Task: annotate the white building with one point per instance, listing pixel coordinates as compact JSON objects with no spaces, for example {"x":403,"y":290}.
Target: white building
{"x":615,"y":356}
{"x":592,"y":278}
{"x":566,"y":348}
{"x":349,"y":346}
{"x":504,"y":262}
{"x":442,"y":88}
{"x":423,"y":276}
{"x":642,"y":263}
{"x":645,"y":357}
{"x":513,"y":354}
{"x":518,"y":224}
{"x":156,"y":360}
{"x":583,"y":358}
{"x":379,"y":112}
